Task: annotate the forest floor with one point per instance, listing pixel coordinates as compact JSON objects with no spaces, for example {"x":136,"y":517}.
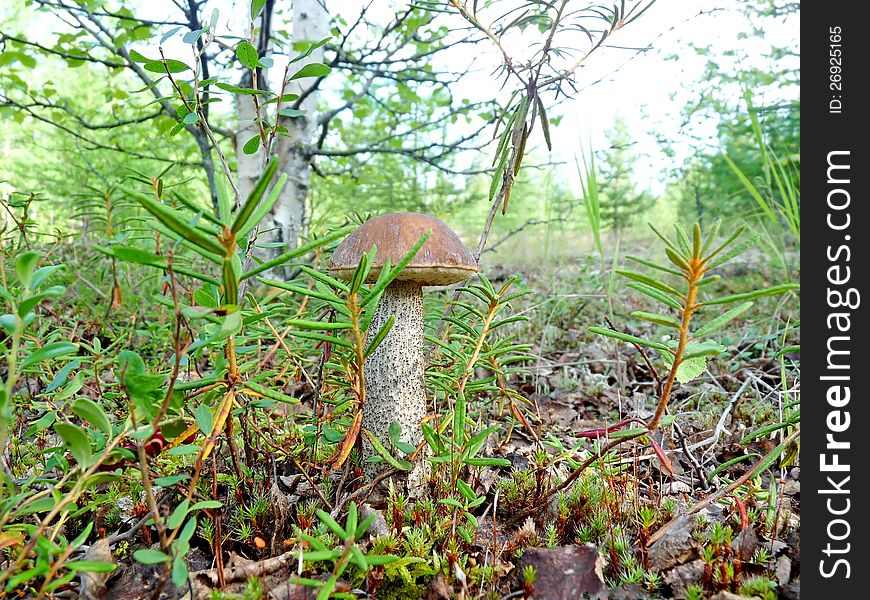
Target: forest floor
{"x":694,"y":510}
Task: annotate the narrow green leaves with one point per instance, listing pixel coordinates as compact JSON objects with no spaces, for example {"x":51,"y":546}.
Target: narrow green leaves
{"x":658,"y":319}
{"x":771,"y":291}
{"x":631,"y":339}
{"x":646,"y":279}
{"x":722,"y":319}
{"x":383,"y":282}
{"x":244,"y":215}
{"x":402,"y":465}
{"x":174,"y":221}
{"x":380,"y":335}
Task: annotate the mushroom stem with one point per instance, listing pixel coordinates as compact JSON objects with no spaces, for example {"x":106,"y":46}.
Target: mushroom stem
{"x":394,"y":377}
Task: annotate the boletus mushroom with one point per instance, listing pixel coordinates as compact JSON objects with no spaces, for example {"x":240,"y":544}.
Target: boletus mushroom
{"x":393,"y":373}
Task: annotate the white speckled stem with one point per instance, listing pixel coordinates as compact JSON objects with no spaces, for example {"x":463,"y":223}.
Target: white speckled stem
{"x":394,"y":377}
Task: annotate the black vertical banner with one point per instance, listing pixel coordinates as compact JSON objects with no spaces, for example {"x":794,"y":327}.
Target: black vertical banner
{"x":835,"y":253}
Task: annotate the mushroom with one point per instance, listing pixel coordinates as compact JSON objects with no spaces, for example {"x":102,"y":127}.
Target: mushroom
{"x":394,"y":371}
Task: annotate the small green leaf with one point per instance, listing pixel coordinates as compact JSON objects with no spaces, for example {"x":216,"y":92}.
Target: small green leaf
{"x":332,"y":524}
{"x":721,"y":320}
{"x":775,"y":289}
{"x":179,"y":514}
{"x":48,"y":352}
{"x":138,"y":58}
{"x":642,"y":278}
{"x":179,"y":571}
{"x":394,"y":432}
{"x":658,"y":319}
{"x":252,"y":145}
{"x":24,"y":267}
{"x":206,"y":504}
{"x":380,"y":335}
{"x":147,"y":556}
{"x":77,"y":442}
{"x":247,"y":54}
{"x":90,"y":566}
{"x":292,"y":113}
{"x":170,"y":480}
{"x":90,"y":411}
{"x":629,"y":338}
{"x":257,"y":8}
{"x":171,"y":66}
{"x":691,"y":368}
{"x":402,"y":465}
{"x":312,"y":70}
{"x":204,"y":418}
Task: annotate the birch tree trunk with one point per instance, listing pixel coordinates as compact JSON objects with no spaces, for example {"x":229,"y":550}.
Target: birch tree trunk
{"x":282,"y":228}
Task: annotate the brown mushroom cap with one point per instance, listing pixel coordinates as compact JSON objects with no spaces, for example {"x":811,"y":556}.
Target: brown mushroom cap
{"x":442,"y":260}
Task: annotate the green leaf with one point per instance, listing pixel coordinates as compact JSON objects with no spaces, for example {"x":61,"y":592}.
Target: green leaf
{"x":48,"y":352}
{"x":247,"y":54}
{"x":402,"y":465}
{"x":192,"y":36}
{"x":722,"y":319}
{"x":90,"y":566}
{"x":135,"y":255}
{"x":292,"y":113}
{"x":252,"y":145}
{"x":301,"y":251}
{"x":147,"y":556}
{"x":257,"y":8}
{"x":170,"y":480}
{"x":629,"y":338}
{"x":459,"y":417}
{"x":312,"y":70}
{"x":189,"y":529}
{"x":243,"y":91}
{"x":206,"y":504}
{"x":658,"y":319}
{"x":171,"y":66}
{"x":654,"y":293}
{"x":264,"y":207}
{"x":705,"y":348}
{"x":179,"y":514}
{"x":691,"y":368}
{"x":230,"y":326}
{"x":652,"y":265}
{"x":352,"y":517}
{"x":250,"y":205}
{"x":24,"y":267}
{"x":76,"y":441}
{"x":646,"y":279}
{"x":677,"y":259}
{"x":773,"y":290}
{"x":204,"y":418}
{"x":90,"y":411}
{"x":179,"y":571}
{"x":174,"y":220}
{"x":332,"y":524}
{"x":29,"y":303}
{"x":394,"y":431}
{"x":383,"y":282}
{"x":380,"y":335}
{"x":138,"y":58}
{"x":487,"y":462}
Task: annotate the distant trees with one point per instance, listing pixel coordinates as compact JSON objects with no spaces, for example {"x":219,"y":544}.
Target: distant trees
{"x":733,"y":80}
{"x":621,"y":201}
